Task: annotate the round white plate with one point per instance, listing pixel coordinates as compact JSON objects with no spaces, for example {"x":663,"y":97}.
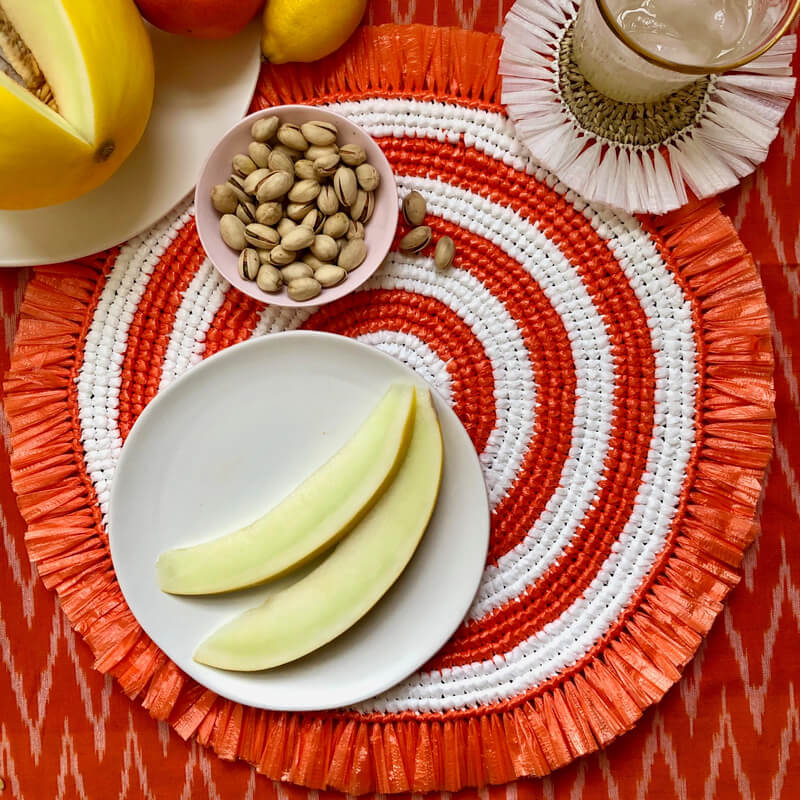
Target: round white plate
{"x":231,"y":438}
{"x":202,"y":88}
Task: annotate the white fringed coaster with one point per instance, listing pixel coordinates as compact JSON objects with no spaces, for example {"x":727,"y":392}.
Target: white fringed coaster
{"x":638,"y":157}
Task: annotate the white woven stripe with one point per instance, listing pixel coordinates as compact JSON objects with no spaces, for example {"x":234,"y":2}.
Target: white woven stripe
{"x":416,"y":354}
{"x":100,"y":376}
{"x":202,"y":299}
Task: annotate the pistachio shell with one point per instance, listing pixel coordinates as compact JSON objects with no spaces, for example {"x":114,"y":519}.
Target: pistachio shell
{"x":236,"y":182}
{"x":231,"y":229}
{"x":286,"y":225}
{"x":224,"y":198}
{"x":304,"y":191}
{"x":249,"y":264}
{"x":326,"y":165}
{"x":304,"y":289}
{"x":289,"y":134}
{"x":416,"y":239}
{"x":336,"y":226}
{"x":368,"y":177}
{"x":298,"y":239}
{"x":243,"y":165}
{"x":353,"y":254}
{"x":263,"y":256}
{"x":352,"y":154}
{"x":269,"y":278}
{"x":264,"y":128}
{"x":252,"y":181}
{"x":444,"y":253}
{"x":273,"y":186}
{"x":305,"y":170}
{"x":278,"y":160}
{"x":280,"y":256}
{"x":364,"y":205}
{"x":327,"y":201}
{"x":292,"y":155}
{"x":414,"y":208}
{"x":295,"y":270}
{"x":345,"y":185}
{"x":319,"y":133}
{"x":260,"y":153}
{"x":312,"y":261}
{"x":314,"y":220}
{"x":324,"y":248}
{"x":261,"y":236}
{"x":355,"y":230}
{"x":269,"y":213}
{"x":330,"y":275}
{"x":298,"y":211}
{"x":246,"y":212}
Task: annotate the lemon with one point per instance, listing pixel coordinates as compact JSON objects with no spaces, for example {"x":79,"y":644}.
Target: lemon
{"x":307,"y":30}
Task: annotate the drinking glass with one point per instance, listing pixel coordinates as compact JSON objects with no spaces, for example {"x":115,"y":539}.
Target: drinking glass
{"x":643,"y":50}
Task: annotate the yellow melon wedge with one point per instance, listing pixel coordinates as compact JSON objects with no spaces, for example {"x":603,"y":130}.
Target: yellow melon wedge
{"x":310,"y":519}
{"x":329,"y":600}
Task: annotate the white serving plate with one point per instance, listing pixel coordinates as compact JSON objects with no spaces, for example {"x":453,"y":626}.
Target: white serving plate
{"x":202,"y":88}
{"x":226,"y":442}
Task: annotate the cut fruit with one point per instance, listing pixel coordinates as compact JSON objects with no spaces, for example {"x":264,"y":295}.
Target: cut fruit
{"x":315,"y":515}
{"x":75,"y":98}
{"x":349,"y":582}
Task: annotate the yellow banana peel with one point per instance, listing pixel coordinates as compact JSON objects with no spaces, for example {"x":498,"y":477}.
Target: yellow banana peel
{"x":91,"y":64}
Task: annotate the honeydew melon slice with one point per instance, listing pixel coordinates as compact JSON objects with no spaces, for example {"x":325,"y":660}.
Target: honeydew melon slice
{"x":310,"y":519}
{"x":348,"y":583}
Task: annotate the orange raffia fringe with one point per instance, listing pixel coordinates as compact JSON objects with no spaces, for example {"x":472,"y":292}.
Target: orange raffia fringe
{"x":583,"y":709}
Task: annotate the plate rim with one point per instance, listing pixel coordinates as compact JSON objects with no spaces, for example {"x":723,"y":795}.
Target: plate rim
{"x":152,"y":408}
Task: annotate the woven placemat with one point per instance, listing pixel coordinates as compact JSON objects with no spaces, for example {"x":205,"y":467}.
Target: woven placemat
{"x":614,"y":375}
{"x":641,"y":157}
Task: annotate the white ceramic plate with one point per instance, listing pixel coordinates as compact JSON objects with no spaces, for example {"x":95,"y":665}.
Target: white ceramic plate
{"x":202,"y":88}
{"x":231,"y":438}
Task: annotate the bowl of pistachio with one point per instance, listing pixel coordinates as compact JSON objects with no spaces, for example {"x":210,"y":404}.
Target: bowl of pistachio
{"x":296,"y":206}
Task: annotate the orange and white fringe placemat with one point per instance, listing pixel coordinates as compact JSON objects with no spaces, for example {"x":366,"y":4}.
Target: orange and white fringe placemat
{"x":614,"y":374}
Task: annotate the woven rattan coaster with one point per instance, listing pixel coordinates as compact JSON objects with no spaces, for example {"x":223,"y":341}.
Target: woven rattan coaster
{"x":640,"y":157}
{"x":613,"y":373}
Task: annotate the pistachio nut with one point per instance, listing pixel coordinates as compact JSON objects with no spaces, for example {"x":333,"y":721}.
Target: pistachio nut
{"x":231,"y":229}
{"x":315,"y":151}
{"x":243,"y":165}
{"x":246,"y":212}
{"x":414,"y":208}
{"x":324,"y":248}
{"x":340,"y":243}
{"x":278,"y":160}
{"x":304,"y":169}
{"x":352,"y":154}
{"x":224,"y":198}
{"x":314,"y":220}
{"x":312,"y":261}
{"x":444,"y":253}
{"x":236,"y":182}
{"x":416,"y":239}
{"x":269,"y":213}
{"x":326,"y":165}
{"x":261,"y":236}
{"x":353,"y":254}
{"x":364,"y":205}
{"x":336,"y":226}
{"x":295,"y":270}
{"x":263,"y":256}
{"x":298,"y":211}
{"x":355,"y":230}
{"x":285,"y":226}
{"x":269,"y":278}
{"x":265,"y":128}
{"x":274,"y":185}
{"x":298,"y":239}
{"x":251,"y":182}
{"x":345,"y":185}
{"x":368,"y":177}
{"x":280,"y":256}
{"x":289,"y":134}
{"x":303,"y":289}
{"x":249,"y":264}
{"x":293,"y":155}
{"x":327,"y":201}
{"x":304,"y":191}
{"x":260,"y":153}
{"x":329,"y":275}
{"x":319,"y":133}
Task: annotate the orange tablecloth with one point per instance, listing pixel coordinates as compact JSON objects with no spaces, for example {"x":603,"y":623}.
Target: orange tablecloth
{"x":729,"y":729}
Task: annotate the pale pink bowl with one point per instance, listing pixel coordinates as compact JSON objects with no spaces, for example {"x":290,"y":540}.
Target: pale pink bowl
{"x":379,"y":230}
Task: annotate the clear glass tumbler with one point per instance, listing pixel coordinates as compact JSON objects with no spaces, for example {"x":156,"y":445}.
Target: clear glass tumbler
{"x":643,"y":50}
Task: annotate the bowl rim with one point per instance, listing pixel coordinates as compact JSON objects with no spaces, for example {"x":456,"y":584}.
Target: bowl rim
{"x":282,"y":299}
